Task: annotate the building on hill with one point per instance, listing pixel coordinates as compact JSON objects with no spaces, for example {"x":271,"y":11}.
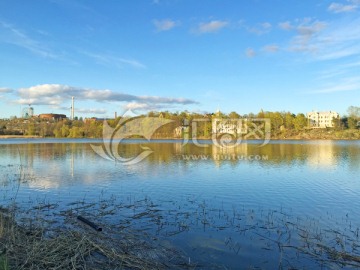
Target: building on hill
{"x":322,"y":119}
{"x":52,"y":116}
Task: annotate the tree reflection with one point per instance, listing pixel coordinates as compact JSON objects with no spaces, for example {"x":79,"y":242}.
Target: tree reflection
{"x":60,"y":162}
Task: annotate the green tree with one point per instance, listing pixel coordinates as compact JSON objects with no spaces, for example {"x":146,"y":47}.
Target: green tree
{"x":289,"y":120}
{"x":234,"y":115}
{"x":354,"y":112}
{"x":152,"y":114}
{"x":354,"y":117}
{"x":65,"y":131}
{"x":300,"y":122}
{"x":276,"y":120}
{"x":57,"y":133}
{"x":352,"y":123}
{"x":338,"y":123}
{"x":75,"y":132}
{"x":261,"y":114}
{"x":77,"y":123}
{"x":44,"y":127}
{"x":31,"y":130}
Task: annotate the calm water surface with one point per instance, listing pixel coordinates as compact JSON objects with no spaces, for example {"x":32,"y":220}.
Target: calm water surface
{"x":221,"y":207}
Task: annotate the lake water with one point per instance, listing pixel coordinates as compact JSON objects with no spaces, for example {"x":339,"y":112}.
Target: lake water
{"x":286,"y":204}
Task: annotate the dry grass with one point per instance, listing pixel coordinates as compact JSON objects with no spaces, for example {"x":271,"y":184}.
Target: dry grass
{"x":23,"y":248}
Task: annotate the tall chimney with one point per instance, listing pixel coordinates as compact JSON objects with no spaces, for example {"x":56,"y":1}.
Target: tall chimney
{"x":115,"y":115}
{"x":72,"y":109}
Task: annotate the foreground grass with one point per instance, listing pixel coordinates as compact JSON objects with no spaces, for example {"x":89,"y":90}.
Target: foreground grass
{"x":35,"y":248}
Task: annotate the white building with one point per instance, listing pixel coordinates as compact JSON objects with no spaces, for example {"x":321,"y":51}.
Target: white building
{"x":322,"y":119}
{"x":228,"y":126}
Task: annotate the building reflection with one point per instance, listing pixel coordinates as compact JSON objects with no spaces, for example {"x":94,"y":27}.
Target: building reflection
{"x":232,"y":154}
{"x":322,"y":155}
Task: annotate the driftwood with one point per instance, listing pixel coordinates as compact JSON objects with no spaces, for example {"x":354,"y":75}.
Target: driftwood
{"x":91,"y":224}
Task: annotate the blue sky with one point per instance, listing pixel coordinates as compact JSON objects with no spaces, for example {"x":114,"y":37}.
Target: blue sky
{"x":179,"y":55}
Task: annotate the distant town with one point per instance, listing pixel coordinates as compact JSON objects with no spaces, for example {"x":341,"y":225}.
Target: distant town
{"x":312,"y":125}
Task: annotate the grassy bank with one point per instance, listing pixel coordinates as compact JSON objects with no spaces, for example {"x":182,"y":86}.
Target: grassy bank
{"x":18,"y":136}
{"x":27,"y":246}
{"x":307,"y":134}
{"x":317,"y":134}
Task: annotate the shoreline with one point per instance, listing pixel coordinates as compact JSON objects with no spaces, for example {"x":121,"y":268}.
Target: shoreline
{"x":9,"y":137}
{"x":19,"y":137}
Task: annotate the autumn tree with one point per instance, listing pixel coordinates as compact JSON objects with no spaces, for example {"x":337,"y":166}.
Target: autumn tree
{"x":65,"y":131}
{"x":75,"y":132}
{"x":234,"y":115}
{"x":300,"y":122}
{"x":31,"y":130}
{"x":354,"y":117}
{"x":354,"y":112}
{"x":351,"y":123}
{"x":289,"y":120}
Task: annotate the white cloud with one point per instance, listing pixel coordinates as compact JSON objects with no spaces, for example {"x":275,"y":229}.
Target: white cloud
{"x":310,"y":29}
{"x":339,"y":40}
{"x":111,"y":60}
{"x":271,"y":48}
{"x":331,"y":74}
{"x":339,"y":8}
{"x":164,"y":25}
{"x":306,"y":34}
{"x":250,"y":52}
{"x":339,"y":71}
{"x":347,"y":84}
{"x":6,"y":90}
{"x":339,"y":88}
{"x":306,"y":28}
{"x":57,"y":94}
{"x":266,"y":25}
{"x":211,"y":27}
{"x":351,"y":65}
{"x":91,"y":111}
{"x":339,"y":52}
{"x":136,"y":105}
{"x":260,"y":29}
{"x":11,"y":35}
{"x":131,"y":62}
{"x":328,"y":40}
{"x":139,"y":106}
{"x":307,"y":31}
{"x":285,"y":25}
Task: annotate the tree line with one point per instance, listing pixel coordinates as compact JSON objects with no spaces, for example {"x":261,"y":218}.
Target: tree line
{"x":93,"y":128}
